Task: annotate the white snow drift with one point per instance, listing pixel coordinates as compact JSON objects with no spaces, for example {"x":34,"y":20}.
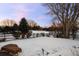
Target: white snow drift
{"x":46,"y":46}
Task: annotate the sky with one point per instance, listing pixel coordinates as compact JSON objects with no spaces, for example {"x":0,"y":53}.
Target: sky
{"x":31,"y":11}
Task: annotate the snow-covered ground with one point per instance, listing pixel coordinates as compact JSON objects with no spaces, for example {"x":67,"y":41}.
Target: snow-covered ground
{"x":47,"y":46}
{"x":35,"y":31}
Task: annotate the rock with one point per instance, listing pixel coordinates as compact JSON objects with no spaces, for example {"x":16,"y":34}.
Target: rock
{"x":4,"y":53}
{"x":12,"y":49}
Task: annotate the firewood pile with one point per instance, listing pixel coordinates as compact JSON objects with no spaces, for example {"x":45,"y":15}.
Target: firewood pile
{"x":10,"y":49}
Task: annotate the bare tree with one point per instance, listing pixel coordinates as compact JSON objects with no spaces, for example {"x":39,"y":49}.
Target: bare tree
{"x":67,"y":14}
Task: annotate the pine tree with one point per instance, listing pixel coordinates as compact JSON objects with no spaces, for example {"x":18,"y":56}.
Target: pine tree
{"x":15,"y":31}
{"x":23,"y":26}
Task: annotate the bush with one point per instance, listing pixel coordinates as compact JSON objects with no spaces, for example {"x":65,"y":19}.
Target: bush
{"x":59,"y":35}
{"x":29,"y":34}
{"x":37,"y":35}
{"x":43,"y":34}
{"x":16,"y":35}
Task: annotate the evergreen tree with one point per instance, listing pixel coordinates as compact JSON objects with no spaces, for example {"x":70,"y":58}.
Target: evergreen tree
{"x":15,"y":27}
{"x":7,"y":29}
{"x":16,"y":32}
{"x":23,"y":26}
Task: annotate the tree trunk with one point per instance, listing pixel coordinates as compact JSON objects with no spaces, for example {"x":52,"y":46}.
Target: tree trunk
{"x":66,"y":32}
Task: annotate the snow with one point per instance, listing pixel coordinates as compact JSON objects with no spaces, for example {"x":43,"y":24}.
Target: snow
{"x":35,"y":31}
{"x":39,"y":33}
{"x":51,"y":46}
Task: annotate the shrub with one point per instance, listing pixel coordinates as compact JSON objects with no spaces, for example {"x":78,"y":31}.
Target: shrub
{"x":16,"y":35}
{"x":29,"y":34}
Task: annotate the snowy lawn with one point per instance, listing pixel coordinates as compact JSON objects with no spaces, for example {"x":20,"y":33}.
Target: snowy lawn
{"x":46,"y":46}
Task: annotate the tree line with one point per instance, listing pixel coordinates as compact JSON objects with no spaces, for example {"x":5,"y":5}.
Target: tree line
{"x":23,"y":30}
{"x":66,"y":13}
{"x":17,"y":30}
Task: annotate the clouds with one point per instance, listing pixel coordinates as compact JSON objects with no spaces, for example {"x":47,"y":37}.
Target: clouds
{"x":20,"y":11}
{"x":31,"y":11}
{"x":14,"y":11}
{"x":41,"y":17}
